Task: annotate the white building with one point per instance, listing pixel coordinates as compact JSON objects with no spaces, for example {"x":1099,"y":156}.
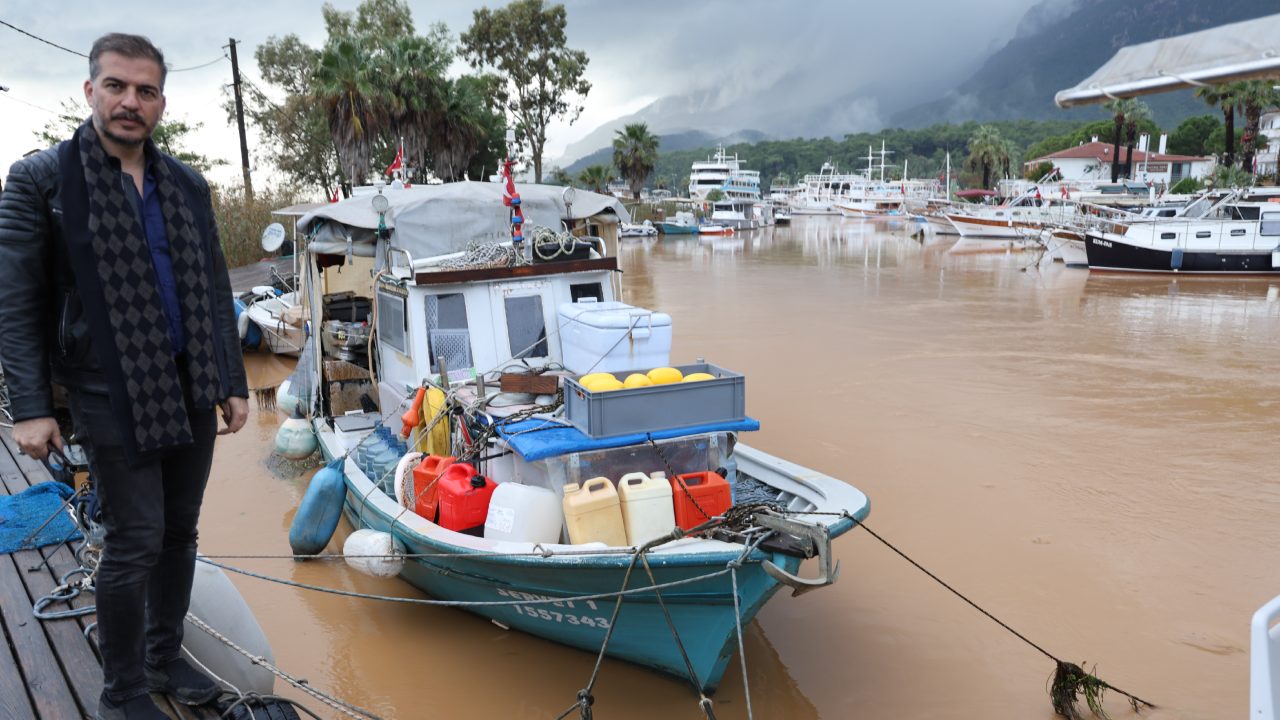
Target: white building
{"x":1091,"y":162}
{"x":1269,"y":128}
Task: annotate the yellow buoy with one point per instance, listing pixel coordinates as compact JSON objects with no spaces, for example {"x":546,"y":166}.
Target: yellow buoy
{"x":635,"y":380}
{"x":601,"y":382}
{"x":665,"y":375}
{"x":695,"y":377}
{"x":585,"y":379}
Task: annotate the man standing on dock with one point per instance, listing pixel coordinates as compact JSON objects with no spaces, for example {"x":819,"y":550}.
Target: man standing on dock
{"x":113,"y":285}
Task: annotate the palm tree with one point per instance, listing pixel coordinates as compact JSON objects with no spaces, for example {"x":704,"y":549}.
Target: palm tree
{"x":596,"y":178}
{"x":635,"y":152}
{"x":1119,"y":109}
{"x":1253,"y":96}
{"x":346,"y":90}
{"x":458,"y":127}
{"x":1224,"y":98}
{"x":1135,"y":113}
{"x":987,"y":152}
{"x":409,"y":76}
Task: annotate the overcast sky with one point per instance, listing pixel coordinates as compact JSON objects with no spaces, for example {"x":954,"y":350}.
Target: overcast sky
{"x":639,"y":51}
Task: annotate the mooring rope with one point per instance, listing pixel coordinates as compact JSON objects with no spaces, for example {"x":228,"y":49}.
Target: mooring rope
{"x":346,"y":708}
{"x":1067,"y":676}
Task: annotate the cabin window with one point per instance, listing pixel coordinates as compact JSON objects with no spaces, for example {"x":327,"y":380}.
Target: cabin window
{"x":1270,"y":224}
{"x":1167,"y":213}
{"x":578,"y":291}
{"x":447,"y":332}
{"x":1168,"y":236}
{"x":526,"y":328}
{"x":1203,"y":234}
{"x":1237,"y":232}
{"x":392,"y":328}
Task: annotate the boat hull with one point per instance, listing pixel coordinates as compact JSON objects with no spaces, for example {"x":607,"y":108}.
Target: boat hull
{"x":673,"y":229}
{"x":1108,"y":252}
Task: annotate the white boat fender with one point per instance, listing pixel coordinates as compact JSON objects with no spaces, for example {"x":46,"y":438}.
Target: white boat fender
{"x":318,"y":513}
{"x":374,"y":553}
{"x":296,"y":439}
{"x":242,"y":320}
{"x":217,"y":603}
{"x":286,"y":400}
{"x":404,"y":471}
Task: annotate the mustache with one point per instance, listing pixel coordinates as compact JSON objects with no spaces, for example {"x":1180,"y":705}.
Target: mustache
{"x":131,"y":116}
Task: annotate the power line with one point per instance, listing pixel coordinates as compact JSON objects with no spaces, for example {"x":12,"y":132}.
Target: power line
{"x":24,"y":102}
{"x":73,"y":52}
{"x":218,"y":59}
{"x":46,"y":42}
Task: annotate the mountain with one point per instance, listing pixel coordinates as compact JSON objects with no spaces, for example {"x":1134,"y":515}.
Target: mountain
{"x":1059,"y":44}
{"x":673,"y":142}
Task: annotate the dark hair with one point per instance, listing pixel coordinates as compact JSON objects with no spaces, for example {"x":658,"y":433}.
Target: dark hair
{"x":130,"y":46}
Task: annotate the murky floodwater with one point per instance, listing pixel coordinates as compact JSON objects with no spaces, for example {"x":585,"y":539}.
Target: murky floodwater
{"x":1088,"y":457}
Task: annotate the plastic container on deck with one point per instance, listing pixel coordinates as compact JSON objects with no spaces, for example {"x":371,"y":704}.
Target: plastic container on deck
{"x":425,"y":490}
{"x":464,"y":499}
{"x":708,"y":490}
{"x":647,"y":512}
{"x":592,"y":513}
{"x":524,"y":513}
{"x":657,"y":407}
{"x":609,"y":336}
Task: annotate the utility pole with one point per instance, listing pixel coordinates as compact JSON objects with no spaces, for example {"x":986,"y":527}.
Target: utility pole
{"x":244,"y":144}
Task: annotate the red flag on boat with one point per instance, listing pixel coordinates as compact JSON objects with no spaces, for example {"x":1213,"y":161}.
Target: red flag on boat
{"x":398,"y":162}
{"x":334,"y":197}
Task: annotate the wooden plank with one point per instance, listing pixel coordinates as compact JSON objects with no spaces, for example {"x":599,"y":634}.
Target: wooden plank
{"x":77,"y":658}
{"x":14,"y":702}
{"x":529,"y":383}
{"x":50,"y":693}
{"x":444,"y":277}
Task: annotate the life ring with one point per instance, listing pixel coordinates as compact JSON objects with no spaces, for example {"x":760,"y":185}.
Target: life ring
{"x":404,"y":469}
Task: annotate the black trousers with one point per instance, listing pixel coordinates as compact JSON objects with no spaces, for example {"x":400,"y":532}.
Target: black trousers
{"x":149,"y":516}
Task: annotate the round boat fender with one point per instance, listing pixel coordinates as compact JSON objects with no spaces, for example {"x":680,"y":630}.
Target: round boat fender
{"x":319,"y":511}
{"x":242,"y":318}
{"x":404,"y":470}
{"x":217,"y":603}
{"x":374,"y":553}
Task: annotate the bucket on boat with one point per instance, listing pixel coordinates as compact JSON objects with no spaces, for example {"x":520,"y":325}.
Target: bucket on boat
{"x":706,"y":490}
{"x":647,"y":511}
{"x":592,"y":513}
{"x":523,"y":513}
{"x":464,"y":499}
{"x":424,"y":492}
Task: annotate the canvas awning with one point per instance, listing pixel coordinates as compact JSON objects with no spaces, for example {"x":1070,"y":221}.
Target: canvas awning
{"x":1238,"y":51}
{"x":433,"y":220}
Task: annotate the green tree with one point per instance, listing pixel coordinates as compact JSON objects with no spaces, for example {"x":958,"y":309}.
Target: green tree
{"x":1190,"y":135}
{"x":715,"y":195}
{"x":1135,"y":113}
{"x":635,"y":151}
{"x":170,"y":135}
{"x":293,"y":131}
{"x":558,"y":176}
{"x":1229,"y":176}
{"x":988,"y":152}
{"x":346,"y":88}
{"x":596,"y":178}
{"x":1223,"y":97}
{"x":1119,"y":108}
{"x":525,"y":43}
{"x":1254,"y":96}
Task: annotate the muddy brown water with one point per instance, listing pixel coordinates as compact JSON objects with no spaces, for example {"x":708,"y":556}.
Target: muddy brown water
{"x":1088,"y":457}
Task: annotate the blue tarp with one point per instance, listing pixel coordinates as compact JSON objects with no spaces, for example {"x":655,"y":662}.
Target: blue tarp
{"x":541,"y":439}
{"x":21,"y":514}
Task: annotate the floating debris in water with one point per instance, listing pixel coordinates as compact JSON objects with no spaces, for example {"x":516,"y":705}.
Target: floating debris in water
{"x":287,"y":469}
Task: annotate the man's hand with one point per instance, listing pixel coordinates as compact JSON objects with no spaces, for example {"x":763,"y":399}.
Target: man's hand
{"x":235,"y":411}
{"x":33,"y":436}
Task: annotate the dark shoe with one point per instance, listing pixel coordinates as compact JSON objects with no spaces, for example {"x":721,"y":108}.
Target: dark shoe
{"x":137,"y":708}
{"x":182,"y":682}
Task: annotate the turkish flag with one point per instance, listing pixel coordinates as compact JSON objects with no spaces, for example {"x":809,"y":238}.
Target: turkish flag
{"x":398,"y":162}
{"x":508,"y":192}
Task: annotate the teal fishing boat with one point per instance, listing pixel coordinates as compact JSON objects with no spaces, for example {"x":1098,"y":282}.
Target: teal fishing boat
{"x":490,"y":465}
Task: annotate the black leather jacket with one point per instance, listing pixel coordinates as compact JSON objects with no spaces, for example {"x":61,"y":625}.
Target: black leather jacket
{"x":44,"y":336}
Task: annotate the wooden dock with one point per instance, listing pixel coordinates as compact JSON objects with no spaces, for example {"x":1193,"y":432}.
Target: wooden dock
{"x":49,"y":670}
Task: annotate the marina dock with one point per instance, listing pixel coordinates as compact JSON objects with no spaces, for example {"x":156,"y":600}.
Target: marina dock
{"x":49,"y":670}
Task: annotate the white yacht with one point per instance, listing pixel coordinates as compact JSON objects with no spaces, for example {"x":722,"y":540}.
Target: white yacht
{"x":723,"y":172}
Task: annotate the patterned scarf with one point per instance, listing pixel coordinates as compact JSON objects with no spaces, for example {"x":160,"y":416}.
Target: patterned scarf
{"x":130,"y":298}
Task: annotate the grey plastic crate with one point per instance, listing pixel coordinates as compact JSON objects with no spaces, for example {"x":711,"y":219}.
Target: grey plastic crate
{"x":657,"y":407}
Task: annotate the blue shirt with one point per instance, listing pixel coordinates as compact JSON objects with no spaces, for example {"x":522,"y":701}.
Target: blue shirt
{"x":153,"y":227}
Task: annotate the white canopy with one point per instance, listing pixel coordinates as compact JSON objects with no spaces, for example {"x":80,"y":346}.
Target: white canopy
{"x":431,"y":220}
{"x":1227,"y":53}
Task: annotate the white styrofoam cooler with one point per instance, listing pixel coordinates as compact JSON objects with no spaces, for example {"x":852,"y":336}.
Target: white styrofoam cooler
{"x":594,"y":337}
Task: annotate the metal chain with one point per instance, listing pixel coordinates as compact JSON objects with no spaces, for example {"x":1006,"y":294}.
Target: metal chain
{"x":674,"y":477}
